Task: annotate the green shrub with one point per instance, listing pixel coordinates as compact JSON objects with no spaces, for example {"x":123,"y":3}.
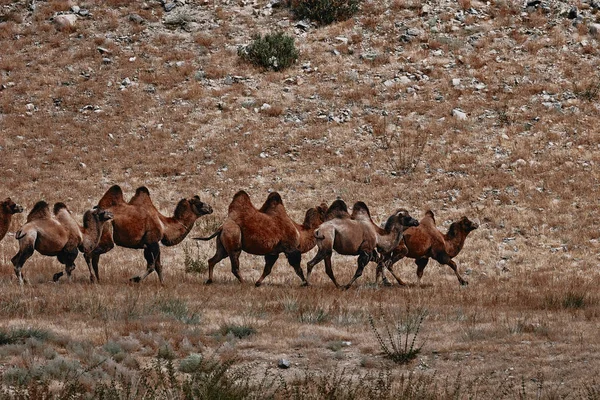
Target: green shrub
{"x":274,"y":51}
{"x":325,"y":12}
{"x":194,"y":263}
{"x":239,"y":331}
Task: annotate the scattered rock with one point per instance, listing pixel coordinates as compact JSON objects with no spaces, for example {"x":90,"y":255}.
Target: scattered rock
{"x":103,"y":50}
{"x":304,"y":25}
{"x":30,"y":107}
{"x":459,"y":114}
{"x":65,"y":20}
{"x":572,"y":13}
{"x":283,"y":364}
{"x":136,"y":18}
{"x":456,"y":82}
{"x":169,"y":6}
{"x":75,"y":9}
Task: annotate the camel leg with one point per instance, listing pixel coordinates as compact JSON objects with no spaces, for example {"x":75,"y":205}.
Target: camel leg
{"x":234,"y":257}
{"x":151,"y":254}
{"x":158,"y":267}
{"x":329,"y":270}
{"x":92,"y":263}
{"x":219,"y":255}
{"x":421,"y":264}
{"x":19,"y":260}
{"x":452,"y":265}
{"x":363,"y":259}
{"x":88,"y":261}
{"x":321,"y":255}
{"x":270,"y":260}
{"x":389,"y":266}
{"x":95,"y":261}
{"x":295,"y":259}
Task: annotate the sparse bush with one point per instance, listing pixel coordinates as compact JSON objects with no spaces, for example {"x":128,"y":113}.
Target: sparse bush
{"x":398,"y":345}
{"x":239,"y":331}
{"x":179,"y":310}
{"x":325,"y":12}
{"x":406,"y":148}
{"x":274,"y":51}
{"x":194,"y":263}
{"x":20,"y":335}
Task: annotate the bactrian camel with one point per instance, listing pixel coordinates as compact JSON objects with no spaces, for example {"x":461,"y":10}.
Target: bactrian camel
{"x":356,"y":234}
{"x":267,"y":231}
{"x":7,"y":209}
{"x":425,"y":241}
{"x":57,"y":234}
{"x":137,"y":224}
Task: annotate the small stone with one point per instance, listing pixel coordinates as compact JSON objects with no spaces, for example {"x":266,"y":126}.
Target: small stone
{"x":103,"y":50}
{"x":456,"y":82}
{"x":84,"y":13}
{"x":265,"y":107}
{"x":405,"y":80}
{"x":594,"y":29}
{"x":169,"y":6}
{"x":283,"y":363}
{"x":75,"y":9}
{"x":106,"y":60}
{"x":572,"y":13}
{"x":65,"y":20}
{"x":389,"y":83}
{"x":304,"y":25}
{"x":82,"y":165}
{"x":342,"y":39}
{"x":459,"y":114}
{"x":426,"y":9}
{"x":136,"y":18}
{"x":30,"y":107}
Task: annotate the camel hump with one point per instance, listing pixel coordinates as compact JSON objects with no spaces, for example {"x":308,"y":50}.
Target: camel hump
{"x":240,"y":202}
{"x":112,"y":197}
{"x":360,"y":211}
{"x":58,"y":207}
{"x":429,"y":214}
{"x":40,"y":210}
{"x":337,"y":209}
{"x":141,"y":197}
{"x":273,"y":200}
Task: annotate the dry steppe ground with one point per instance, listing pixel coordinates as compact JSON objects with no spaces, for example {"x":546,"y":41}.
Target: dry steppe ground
{"x":365,"y":114}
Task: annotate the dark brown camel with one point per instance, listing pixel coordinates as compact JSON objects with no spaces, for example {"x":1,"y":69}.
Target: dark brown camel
{"x":7,"y":209}
{"x":57,"y":234}
{"x":356,"y":234}
{"x":267,"y":231}
{"x":426,"y":241}
{"x":139,"y":225}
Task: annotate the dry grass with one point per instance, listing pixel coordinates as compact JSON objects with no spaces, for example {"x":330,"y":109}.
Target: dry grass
{"x":523,"y":164}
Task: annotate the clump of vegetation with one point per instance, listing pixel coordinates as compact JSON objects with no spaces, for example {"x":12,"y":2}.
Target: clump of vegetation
{"x":194,"y":263}
{"x":20,"y":335}
{"x":239,"y":331}
{"x":398,"y":341}
{"x":572,"y":299}
{"x":275,"y":51}
{"x":325,"y":12}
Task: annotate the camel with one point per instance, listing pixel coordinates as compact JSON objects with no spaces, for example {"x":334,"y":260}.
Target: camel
{"x":57,"y":234}
{"x":425,"y":241}
{"x":267,"y":231}
{"x":137,"y":224}
{"x":356,"y":234}
{"x":7,"y":209}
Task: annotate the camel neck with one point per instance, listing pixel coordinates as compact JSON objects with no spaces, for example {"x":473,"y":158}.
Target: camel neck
{"x":454,"y":243}
{"x":176,"y":229}
{"x":5,"y":219}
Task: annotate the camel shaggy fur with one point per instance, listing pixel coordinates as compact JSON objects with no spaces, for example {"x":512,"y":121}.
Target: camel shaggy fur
{"x":137,"y":224}
{"x":425,"y":241}
{"x":267,"y":231}
{"x":7,"y":209}
{"x":57,"y":234}
{"x":356,"y":234}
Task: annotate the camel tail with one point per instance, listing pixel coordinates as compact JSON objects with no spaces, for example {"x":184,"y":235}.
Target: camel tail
{"x":19,"y":235}
{"x":210,"y":237}
{"x":319,"y":235}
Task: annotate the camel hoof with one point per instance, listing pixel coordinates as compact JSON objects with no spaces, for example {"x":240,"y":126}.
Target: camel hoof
{"x":464,"y":283}
{"x":136,"y":279}
{"x":386,"y":283}
{"x":258,"y":283}
{"x":304,"y":284}
{"x":208,"y":282}
{"x":345,"y":287}
{"x":57,"y":276}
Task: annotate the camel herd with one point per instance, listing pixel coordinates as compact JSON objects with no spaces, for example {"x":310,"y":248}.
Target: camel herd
{"x":267,"y":231}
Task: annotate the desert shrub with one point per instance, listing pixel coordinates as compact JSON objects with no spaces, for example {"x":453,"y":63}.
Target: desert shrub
{"x":239,"y":331}
{"x":398,"y":340}
{"x":194,"y":262}
{"x":274,"y":51}
{"x":19,"y":335}
{"x":325,"y":12}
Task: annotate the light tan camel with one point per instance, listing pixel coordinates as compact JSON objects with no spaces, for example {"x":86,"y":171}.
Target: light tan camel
{"x":139,"y":225}
{"x":426,"y":241}
{"x":7,"y":209}
{"x":357,"y":235}
{"x":57,"y":234}
{"x":267,"y":231}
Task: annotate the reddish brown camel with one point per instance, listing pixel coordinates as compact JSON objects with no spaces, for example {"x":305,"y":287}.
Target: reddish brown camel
{"x":267,"y":231}
{"x":7,"y":209}
{"x":426,"y":241}
{"x":139,"y":225}
{"x":356,"y":234}
{"x":57,"y":234}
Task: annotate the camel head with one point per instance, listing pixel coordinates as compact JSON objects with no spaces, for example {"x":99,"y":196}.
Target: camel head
{"x":10,"y":207}
{"x":401,"y":220}
{"x":102,"y":215}
{"x":198,"y":207}
{"x":315,"y":216}
{"x":467,"y":225}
